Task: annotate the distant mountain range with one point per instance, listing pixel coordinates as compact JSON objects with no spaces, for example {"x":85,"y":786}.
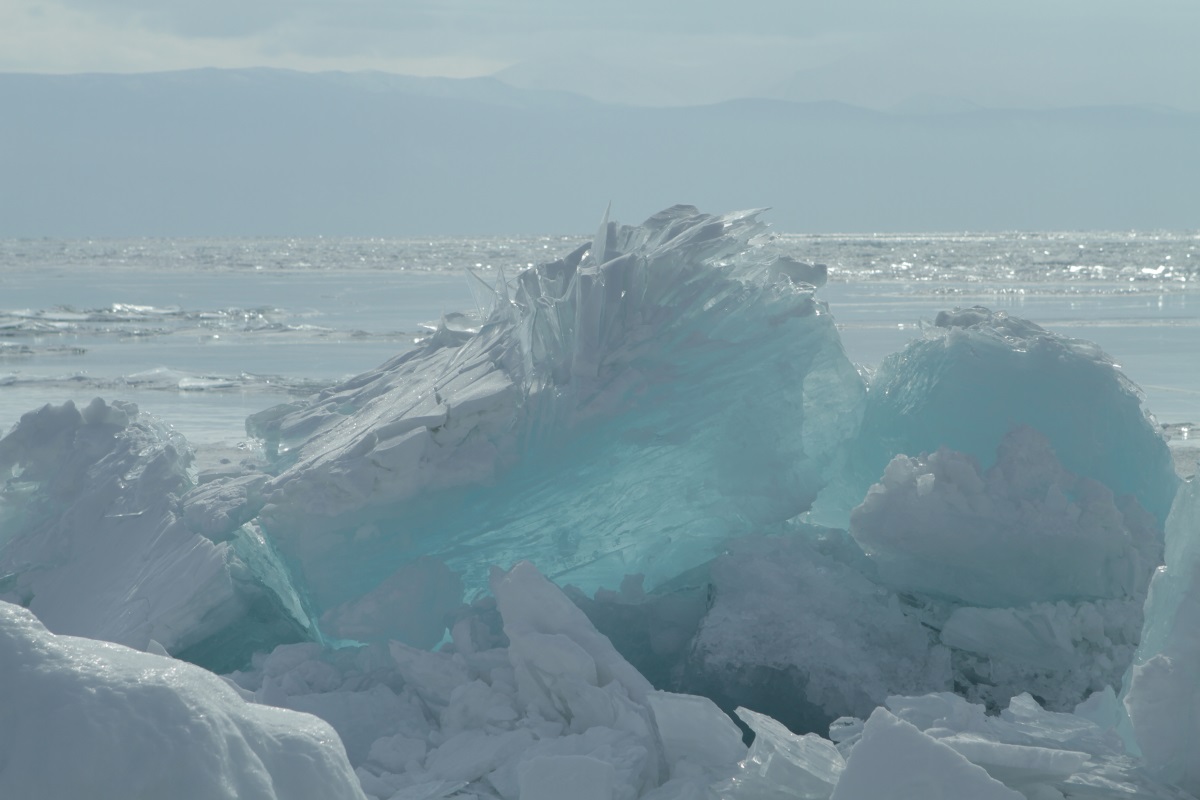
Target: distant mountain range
{"x":247,"y":152}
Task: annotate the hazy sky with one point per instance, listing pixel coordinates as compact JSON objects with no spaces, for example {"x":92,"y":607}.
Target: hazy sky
{"x":1028,"y":53}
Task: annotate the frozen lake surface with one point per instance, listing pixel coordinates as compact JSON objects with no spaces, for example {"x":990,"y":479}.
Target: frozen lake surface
{"x":204,"y":332}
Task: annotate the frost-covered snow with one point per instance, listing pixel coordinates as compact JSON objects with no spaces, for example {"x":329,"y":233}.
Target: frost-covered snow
{"x":656,"y":413}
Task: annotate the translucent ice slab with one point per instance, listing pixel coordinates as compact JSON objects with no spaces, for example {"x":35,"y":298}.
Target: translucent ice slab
{"x":977,"y":374}
{"x":625,"y":409}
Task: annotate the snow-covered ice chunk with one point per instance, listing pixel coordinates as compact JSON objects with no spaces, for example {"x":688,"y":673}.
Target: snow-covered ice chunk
{"x":1041,"y":573}
{"x":1024,"y":531}
{"x":83,"y":718}
{"x":894,"y":760}
{"x":624,"y":409}
{"x":99,"y":539}
{"x":977,"y":374}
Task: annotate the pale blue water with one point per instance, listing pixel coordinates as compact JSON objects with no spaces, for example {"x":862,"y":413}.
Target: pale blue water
{"x":204,"y":332}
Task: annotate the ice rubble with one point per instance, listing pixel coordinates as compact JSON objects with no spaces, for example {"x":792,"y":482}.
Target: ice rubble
{"x":820,"y":622}
{"x":665,"y":402}
{"x":549,"y":706}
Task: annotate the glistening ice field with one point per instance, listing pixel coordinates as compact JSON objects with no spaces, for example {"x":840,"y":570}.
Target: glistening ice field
{"x":635,"y":507}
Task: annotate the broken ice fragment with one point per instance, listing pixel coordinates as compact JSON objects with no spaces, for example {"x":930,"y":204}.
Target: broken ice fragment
{"x":781,"y":764}
{"x":100,"y":540}
{"x":693,"y":728}
{"x":896,"y":761}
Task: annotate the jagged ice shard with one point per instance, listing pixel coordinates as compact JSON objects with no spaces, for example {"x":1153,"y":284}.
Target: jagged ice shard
{"x":626,"y":409}
{"x":935,"y":577}
{"x":99,"y":537}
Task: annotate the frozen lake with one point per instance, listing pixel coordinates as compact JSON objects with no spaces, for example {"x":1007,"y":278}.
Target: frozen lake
{"x":204,"y":332}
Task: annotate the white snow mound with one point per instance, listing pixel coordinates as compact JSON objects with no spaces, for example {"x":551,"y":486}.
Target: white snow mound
{"x":82,"y":718}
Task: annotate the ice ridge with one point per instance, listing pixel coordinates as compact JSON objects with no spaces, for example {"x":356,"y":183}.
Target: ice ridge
{"x":657,"y":410}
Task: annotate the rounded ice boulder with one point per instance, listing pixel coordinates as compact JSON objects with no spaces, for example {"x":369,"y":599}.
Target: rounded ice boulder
{"x":978,"y":374}
{"x":84,"y":718}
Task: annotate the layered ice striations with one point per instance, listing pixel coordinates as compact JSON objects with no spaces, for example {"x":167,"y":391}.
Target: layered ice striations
{"x":625,"y":409}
